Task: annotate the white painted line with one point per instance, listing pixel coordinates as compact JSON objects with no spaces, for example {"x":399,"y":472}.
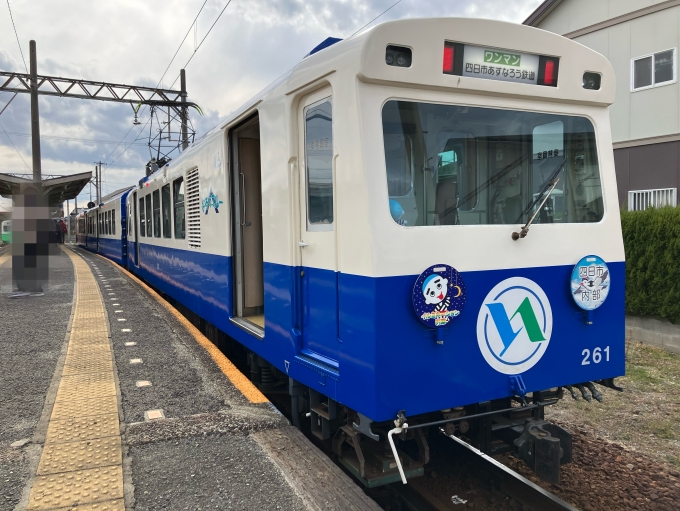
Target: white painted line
{"x":122,"y":319}
{"x":115,"y":304}
{"x":132,"y":343}
{"x":117,"y":312}
{"x":126,"y":330}
{"x":135,"y":360}
{"x":143,"y":383}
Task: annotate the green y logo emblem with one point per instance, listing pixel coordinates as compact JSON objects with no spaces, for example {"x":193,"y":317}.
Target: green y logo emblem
{"x":507,"y":334}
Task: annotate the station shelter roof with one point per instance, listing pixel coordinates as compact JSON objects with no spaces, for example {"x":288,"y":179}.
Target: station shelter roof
{"x":57,"y":189}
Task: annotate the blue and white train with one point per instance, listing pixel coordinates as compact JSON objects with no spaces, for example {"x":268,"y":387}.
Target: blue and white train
{"x":415,"y":227}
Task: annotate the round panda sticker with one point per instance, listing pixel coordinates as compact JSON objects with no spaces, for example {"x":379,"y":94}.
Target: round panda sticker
{"x":590,"y":282}
{"x":438,"y":295}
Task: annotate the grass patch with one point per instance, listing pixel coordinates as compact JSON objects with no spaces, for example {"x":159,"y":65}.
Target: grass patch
{"x":663,"y":429}
{"x":643,"y":375}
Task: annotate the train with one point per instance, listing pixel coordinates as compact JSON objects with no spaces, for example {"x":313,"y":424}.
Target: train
{"x":6,"y":228}
{"x":415,"y":229}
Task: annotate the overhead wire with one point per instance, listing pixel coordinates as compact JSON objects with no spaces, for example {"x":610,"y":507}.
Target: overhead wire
{"x":159,"y":82}
{"x":379,"y":15}
{"x":184,"y":67}
{"x":17,"y":36}
{"x":26,"y":67}
{"x":15,"y":147}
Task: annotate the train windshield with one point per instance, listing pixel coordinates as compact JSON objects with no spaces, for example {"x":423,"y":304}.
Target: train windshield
{"x":456,"y":165}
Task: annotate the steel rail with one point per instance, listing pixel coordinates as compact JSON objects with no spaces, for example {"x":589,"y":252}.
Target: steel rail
{"x":513,"y":484}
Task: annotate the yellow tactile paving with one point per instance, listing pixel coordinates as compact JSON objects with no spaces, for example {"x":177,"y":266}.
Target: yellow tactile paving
{"x":76,"y":488}
{"x":78,"y":367}
{"x":87,"y":391}
{"x":81,"y":464}
{"x":111,"y":505}
{"x":57,"y":458}
{"x":82,"y":428}
{"x":69,"y":409}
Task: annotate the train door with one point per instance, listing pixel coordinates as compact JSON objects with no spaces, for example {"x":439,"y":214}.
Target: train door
{"x":247,"y":228}
{"x":135,"y":223}
{"x":317,"y":241}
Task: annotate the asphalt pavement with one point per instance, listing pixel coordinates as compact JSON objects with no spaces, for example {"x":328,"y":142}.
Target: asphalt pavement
{"x":32,"y":337}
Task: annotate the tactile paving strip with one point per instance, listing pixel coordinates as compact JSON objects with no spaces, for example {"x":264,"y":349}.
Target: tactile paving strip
{"x":75,"y":488}
{"x":68,"y":457}
{"x":86,"y":391}
{"x":68,"y":409}
{"x":78,"y":367}
{"x":82,"y":428}
{"x":111,"y":505}
{"x":81,"y":463}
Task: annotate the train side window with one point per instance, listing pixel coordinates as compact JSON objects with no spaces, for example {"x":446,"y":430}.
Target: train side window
{"x":319,"y":165}
{"x":178,"y":205}
{"x":108,"y":222}
{"x":157,"y":214}
{"x":148,"y":216}
{"x":113,"y":221}
{"x":142,"y":218}
{"x":165,"y":196}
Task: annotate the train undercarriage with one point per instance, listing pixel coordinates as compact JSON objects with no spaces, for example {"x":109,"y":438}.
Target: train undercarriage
{"x":514,"y":424}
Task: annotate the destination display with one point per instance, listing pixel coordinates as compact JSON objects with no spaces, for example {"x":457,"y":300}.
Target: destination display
{"x":498,"y":64}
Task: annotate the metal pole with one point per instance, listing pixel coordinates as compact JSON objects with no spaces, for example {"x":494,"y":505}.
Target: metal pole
{"x":97,"y":184}
{"x":68,"y":220}
{"x":35,"y":117}
{"x":185,"y":110}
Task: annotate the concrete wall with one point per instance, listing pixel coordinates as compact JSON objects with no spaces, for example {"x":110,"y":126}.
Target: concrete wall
{"x":661,"y":333}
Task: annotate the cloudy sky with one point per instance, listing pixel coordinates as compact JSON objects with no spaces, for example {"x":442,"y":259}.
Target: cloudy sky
{"x":133,"y":41}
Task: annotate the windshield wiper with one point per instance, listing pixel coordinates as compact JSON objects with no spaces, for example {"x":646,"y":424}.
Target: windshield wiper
{"x":542,"y":198}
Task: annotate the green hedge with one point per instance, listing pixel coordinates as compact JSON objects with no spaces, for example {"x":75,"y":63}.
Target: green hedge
{"x":652,"y":242}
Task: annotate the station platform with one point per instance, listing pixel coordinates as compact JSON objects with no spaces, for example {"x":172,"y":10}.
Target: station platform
{"x":111,"y":400}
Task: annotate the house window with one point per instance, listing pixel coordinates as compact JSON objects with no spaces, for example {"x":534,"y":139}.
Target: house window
{"x":653,"y":70}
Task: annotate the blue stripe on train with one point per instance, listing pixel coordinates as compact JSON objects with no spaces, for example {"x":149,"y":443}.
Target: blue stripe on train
{"x":386,"y":359}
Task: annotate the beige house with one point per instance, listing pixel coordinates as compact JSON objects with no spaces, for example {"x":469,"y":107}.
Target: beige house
{"x":641,"y":39}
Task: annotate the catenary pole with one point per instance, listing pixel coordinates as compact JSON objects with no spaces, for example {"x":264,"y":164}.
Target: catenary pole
{"x":183,"y":92}
{"x":35,"y":116}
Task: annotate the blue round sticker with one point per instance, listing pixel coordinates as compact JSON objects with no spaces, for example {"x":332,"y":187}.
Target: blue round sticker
{"x":590,"y":281}
{"x":438,"y":295}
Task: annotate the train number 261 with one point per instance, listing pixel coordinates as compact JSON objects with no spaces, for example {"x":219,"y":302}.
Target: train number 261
{"x":597,"y":356}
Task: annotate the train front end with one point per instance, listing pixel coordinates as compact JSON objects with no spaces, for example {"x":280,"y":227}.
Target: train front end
{"x":496,"y":274}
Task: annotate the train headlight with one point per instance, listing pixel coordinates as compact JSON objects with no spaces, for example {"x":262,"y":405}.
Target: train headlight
{"x":592,"y":81}
{"x":399,"y":56}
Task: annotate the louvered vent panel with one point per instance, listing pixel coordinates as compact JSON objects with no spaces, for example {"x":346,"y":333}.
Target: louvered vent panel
{"x":193,"y":209}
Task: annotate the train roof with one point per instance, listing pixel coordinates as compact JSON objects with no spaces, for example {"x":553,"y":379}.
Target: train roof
{"x":364,"y":56}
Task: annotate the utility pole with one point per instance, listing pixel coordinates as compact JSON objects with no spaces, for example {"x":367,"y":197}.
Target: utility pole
{"x":35,"y":117}
{"x":98,"y":180}
{"x":184,"y":109}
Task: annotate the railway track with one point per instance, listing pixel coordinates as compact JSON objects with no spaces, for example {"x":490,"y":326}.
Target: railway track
{"x":485,"y":484}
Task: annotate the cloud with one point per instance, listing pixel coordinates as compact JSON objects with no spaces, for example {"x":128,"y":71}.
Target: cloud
{"x":129,"y":41}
